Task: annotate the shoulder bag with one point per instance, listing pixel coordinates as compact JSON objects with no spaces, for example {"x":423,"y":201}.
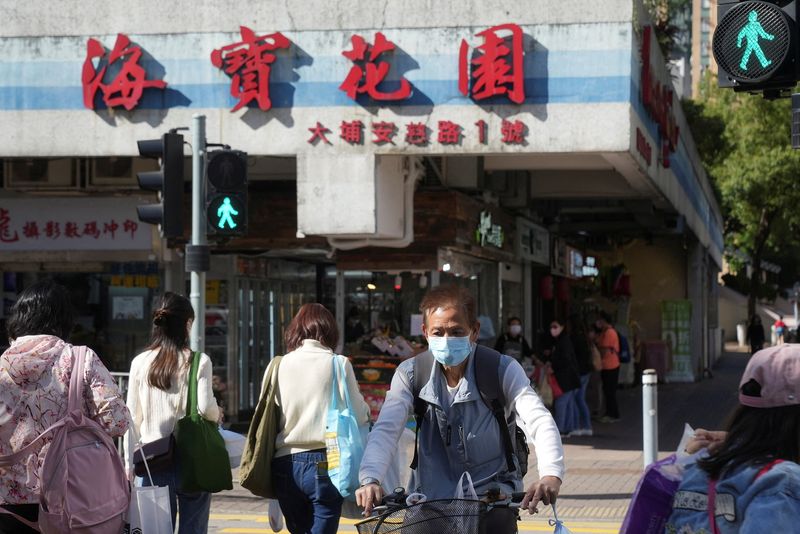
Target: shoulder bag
{"x":202,"y":457}
{"x":255,"y":469}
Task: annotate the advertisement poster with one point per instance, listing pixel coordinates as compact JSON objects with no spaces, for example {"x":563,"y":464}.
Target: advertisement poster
{"x":676,"y":324}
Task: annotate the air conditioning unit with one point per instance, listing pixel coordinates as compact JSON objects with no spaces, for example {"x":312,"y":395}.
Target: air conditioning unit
{"x":40,"y":173}
{"x":118,"y":172}
{"x":512,"y":187}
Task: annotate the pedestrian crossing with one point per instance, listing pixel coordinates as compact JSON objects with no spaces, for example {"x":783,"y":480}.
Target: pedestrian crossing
{"x":246,"y":523}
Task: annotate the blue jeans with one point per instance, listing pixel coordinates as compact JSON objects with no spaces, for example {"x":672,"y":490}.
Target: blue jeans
{"x":310,"y":502}
{"x":193,"y":507}
{"x":565,"y":411}
{"x":583,"y":415}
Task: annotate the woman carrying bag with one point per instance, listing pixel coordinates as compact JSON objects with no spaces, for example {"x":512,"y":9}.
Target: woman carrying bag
{"x":308,"y":498}
{"x":157,"y":398}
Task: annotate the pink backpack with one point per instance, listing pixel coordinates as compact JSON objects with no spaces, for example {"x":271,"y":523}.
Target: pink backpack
{"x":83,"y":483}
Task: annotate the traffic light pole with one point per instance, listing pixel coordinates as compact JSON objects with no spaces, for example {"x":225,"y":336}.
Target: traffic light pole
{"x":197,"y":253}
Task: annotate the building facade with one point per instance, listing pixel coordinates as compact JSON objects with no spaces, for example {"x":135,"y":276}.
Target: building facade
{"x":538,"y":156}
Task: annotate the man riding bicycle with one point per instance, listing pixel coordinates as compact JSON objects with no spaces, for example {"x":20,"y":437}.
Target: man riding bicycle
{"x":459,"y":431}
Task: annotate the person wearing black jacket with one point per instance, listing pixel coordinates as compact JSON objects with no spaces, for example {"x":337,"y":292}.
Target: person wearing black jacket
{"x":755,"y":334}
{"x":565,"y":369}
{"x":513,"y":343}
{"x":583,"y":355}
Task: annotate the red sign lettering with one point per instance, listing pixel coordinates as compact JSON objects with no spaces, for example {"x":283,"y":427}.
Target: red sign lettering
{"x":643,"y":147}
{"x":248,"y":63}
{"x":91,"y":229}
{"x":490,"y":72}
{"x":352,"y":132}
{"x":318,"y":133}
{"x":128,"y":85}
{"x":52,"y":229}
{"x":130,"y":227}
{"x":5,"y":228}
{"x":383,"y":132}
{"x":71,"y":230}
{"x":481,"y":124}
{"x":416,"y":133}
{"x":366,"y":78}
{"x":513,"y":132}
{"x":111,"y":228}
{"x":449,"y":133}
{"x":31,"y":230}
{"x":657,"y":99}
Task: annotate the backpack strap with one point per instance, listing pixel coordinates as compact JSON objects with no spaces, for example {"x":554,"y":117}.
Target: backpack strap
{"x":423,"y":363}
{"x":487,"y":377}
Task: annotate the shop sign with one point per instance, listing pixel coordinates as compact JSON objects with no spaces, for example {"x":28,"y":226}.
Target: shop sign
{"x":676,"y":330}
{"x":127,"y":86}
{"x":488,"y":233}
{"x":643,"y":147}
{"x":46,"y":224}
{"x":533,"y":243}
{"x":658,"y":99}
{"x":416,"y":133}
{"x":494,"y":68}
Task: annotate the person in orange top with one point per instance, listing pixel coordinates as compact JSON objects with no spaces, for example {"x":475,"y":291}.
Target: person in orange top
{"x":607,"y":342}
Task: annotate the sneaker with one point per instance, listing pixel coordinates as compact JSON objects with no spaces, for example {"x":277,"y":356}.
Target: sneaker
{"x":587,"y":432}
{"x":576,"y":433}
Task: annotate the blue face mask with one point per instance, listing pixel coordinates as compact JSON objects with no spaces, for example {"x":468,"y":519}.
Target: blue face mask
{"x":450,"y":351}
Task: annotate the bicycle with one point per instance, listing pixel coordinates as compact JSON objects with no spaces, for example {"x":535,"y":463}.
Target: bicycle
{"x":438,"y":516}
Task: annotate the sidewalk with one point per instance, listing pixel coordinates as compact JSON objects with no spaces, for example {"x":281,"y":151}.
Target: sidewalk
{"x":602,"y":470}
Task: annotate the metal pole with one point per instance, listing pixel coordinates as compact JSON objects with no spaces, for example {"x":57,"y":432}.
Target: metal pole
{"x":650,"y":415}
{"x":199,"y":243}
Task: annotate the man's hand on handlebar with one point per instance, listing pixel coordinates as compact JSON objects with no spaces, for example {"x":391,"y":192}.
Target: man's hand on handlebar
{"x":369,"y":496}
{"x":544,"y":491}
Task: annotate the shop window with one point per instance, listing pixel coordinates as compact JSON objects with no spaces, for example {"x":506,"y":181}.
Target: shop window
{"x":40,"y":173}
{"x":116,"y":172}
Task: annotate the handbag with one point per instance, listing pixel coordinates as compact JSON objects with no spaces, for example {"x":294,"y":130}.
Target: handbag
{"x":149,"y":511}
{"x":255,"y":469}
{"x":159,"y":455}
{"x":554,"y":385}
{"x":597,"y":359}
{"x":344,"y":440}
{"x":651,"y":503}
{"x":203,"y":459}
{"x":543,"y":386}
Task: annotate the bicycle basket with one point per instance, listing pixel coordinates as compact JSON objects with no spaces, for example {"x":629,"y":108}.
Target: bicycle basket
{"x":444,"y":516}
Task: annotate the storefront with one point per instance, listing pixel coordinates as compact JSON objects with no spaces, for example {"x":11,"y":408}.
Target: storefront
{"x":382,"y":159}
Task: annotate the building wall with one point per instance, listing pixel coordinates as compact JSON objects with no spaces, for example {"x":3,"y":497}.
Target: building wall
{"x":658,"y":272}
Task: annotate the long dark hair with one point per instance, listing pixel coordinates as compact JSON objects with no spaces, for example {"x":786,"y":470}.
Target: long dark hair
{"x":313,"y":321}
{"x":42,"y":309}
{"x":170,"y":336}
{"x":756,"y":436}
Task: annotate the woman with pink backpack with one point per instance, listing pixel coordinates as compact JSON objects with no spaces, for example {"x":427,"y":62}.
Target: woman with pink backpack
{"x":35,"y":382}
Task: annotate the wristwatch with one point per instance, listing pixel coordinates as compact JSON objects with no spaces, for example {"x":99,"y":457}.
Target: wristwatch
{"x":369,"y":480}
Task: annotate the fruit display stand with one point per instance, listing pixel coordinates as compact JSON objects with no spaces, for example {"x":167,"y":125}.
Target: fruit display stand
{"x":374,"y":375}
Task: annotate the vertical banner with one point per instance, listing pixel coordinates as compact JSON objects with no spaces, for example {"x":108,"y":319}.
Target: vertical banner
{"x":676,"y":324}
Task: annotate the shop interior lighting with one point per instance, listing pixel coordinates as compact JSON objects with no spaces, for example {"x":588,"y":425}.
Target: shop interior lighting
{"x":371,"y":286}
{"x":398,"y":283}
{"x":446,"y":267}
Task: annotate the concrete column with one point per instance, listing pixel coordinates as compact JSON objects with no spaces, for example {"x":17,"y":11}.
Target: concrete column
{"x":697,"y":293}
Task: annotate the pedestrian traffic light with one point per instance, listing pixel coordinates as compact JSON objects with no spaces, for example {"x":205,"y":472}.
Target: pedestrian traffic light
{"x":168,"y":181}
{"x":226,"y":193}
{"x":756,"y":46}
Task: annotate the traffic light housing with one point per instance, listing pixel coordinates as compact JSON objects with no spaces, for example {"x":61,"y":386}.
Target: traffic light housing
{"x":756,"y":46}
{"x":168,"y":181}
{"x":226,"y":193}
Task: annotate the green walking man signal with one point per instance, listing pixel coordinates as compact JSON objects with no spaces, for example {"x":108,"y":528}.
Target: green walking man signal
{"x":224,"y":213}
{"x":757,"y":47}
{"x":751,"y":32}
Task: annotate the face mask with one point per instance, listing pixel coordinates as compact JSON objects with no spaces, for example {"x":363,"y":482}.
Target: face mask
{"x":450,"y":351}
{"x":515,"y":329}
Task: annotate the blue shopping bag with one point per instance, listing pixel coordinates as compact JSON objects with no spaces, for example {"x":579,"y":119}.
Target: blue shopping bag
{"x":344,"y":440}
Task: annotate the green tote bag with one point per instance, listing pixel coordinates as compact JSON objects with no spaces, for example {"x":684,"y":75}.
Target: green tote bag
{"x":204,"y":462}
{"x":255,"y":470}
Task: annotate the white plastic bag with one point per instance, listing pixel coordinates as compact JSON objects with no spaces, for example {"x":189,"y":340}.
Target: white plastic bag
{"x":149,"y":511}
{"x":470,"y":492}
{"x":234,"y":444}
{"x":275,"y":515}
{"x":558,"y":524}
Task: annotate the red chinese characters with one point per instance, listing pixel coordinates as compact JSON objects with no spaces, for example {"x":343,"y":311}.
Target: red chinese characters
{"x":449,"y":133}
{"x":248,"y":62}
{"x":383,"y":132}
{"x":6,"y":236}
{"x":367,"y":72}
{"x":491,"y":73}
{"x":352,"y":132}
{"x":416,"y":133}
{"x":318,"y":134}
{"x":128,"y":85}
{"x":513,"y":132}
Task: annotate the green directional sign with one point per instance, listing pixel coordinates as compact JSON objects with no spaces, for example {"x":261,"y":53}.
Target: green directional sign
{"x":752,"y":42}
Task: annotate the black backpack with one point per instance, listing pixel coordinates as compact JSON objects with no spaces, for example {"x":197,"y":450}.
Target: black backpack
{"x":489,"y":382}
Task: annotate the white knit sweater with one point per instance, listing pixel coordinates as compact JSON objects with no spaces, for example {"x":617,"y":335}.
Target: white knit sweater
{"x":155,"y":411}
{"x":304,"y":394}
